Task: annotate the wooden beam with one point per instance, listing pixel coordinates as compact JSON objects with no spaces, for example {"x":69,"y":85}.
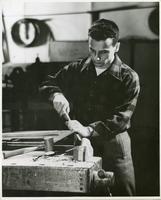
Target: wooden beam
{"x":56,"y":134}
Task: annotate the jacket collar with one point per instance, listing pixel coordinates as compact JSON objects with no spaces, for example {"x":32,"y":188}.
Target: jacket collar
{"x":114,"y":69}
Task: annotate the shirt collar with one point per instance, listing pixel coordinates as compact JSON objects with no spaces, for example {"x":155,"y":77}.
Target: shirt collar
{"x":114,"y":69}
{"x":86,"y":63}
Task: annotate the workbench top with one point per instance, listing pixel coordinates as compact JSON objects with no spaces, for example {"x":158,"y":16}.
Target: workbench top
{"x":52,"y":161}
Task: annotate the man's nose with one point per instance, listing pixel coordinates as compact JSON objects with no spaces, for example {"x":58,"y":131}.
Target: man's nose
{"x":97,"y":57}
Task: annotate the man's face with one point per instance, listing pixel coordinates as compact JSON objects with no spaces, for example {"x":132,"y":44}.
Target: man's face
{"x":102,"y":52}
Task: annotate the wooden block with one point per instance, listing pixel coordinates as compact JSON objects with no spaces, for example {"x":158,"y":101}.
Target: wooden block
{"x":79,"y":153}
{"x":88,"y":149}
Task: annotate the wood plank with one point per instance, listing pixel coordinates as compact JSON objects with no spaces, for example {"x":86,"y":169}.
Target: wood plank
{"x":28,"y":134}
{"x":56,"y":134}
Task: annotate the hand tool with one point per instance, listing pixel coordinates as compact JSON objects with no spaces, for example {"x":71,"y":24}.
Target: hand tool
{"x":66,"y":117}
{"x":68,"y":150}
{"x":8,"y":154}
{"x":48,"y":145}
{"x":47,"y":154}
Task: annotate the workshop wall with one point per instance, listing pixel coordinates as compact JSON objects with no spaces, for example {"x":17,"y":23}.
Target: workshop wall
{"x":67,"y":22}
{"x":137,"y":25}
{"x":62,"y":27}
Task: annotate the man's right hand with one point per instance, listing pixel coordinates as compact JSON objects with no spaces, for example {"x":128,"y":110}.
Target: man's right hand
{"x":61,"y":104}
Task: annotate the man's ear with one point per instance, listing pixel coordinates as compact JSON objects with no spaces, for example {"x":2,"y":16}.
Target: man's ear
{"x":117,"y":46}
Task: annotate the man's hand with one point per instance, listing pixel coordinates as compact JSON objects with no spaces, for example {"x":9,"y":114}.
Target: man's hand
{"x":76,"y":126}
{"x":61,"y":105}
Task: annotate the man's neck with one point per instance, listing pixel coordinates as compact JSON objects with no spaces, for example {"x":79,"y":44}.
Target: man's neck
{"x":100,"y":70}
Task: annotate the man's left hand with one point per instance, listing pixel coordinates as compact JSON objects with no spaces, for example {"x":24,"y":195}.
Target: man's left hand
{"x":76,"y":126}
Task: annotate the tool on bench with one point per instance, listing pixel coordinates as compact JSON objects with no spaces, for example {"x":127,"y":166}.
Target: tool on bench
{"x":79,"y":174}
{"x":8,"y":154}
{"x":48,"y":145}
{"x":80,"y":150}
{"x":45,"y":155}
{"x":46,"y":140}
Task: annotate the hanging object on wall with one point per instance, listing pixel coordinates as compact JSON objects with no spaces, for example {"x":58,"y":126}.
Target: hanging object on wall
{"x":30,"y":32}
{"x":5,"y":49}
{"x":154,"y":21}
{"x":5,"y":54}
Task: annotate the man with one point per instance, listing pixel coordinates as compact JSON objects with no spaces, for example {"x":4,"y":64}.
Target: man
{"x":101,"y":93}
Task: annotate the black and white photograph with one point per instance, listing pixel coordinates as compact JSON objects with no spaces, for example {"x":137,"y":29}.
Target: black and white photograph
{"x":80,"y":99}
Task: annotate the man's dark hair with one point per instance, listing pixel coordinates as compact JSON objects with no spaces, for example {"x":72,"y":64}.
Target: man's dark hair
{"x":103,"y":29}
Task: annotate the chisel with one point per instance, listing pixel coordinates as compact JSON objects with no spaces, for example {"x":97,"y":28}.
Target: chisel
{"x":66,"y":117}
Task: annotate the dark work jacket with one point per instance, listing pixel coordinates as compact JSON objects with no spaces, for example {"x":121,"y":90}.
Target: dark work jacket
{"x":105,"y":102}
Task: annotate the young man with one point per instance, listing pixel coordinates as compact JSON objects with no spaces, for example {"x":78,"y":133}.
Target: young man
{"x":101,"y":93}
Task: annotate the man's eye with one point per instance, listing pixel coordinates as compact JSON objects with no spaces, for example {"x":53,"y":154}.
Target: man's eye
{"x":104,"y":52}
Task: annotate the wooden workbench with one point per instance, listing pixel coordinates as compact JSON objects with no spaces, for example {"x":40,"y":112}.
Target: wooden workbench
{"x":56,"y":173}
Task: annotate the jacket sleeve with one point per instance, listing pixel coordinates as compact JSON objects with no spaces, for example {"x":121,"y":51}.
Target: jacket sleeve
{"x":119,"y":120}
{"x":55,"y":83}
